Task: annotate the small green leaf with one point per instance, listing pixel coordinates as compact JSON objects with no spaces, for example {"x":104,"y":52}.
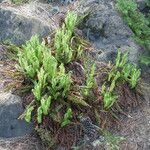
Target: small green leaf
{"x":67,"y":117}
{"x":28,"y":113}
{"x":39,"y":115}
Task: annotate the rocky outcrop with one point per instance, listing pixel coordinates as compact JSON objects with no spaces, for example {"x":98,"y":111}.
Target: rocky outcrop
{"x":18,"y":24}
{"x":106,"y":29}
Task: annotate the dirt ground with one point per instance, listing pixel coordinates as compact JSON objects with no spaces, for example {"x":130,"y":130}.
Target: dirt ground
{"x":136,"y":129}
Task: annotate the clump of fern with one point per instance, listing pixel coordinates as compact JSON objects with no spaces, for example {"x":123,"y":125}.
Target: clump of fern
{"x":128,"y":72}
{"x":122,"y":71}
{"x":46,"y":70}
{"x":90,"y":81}
{"x":50,"y":79}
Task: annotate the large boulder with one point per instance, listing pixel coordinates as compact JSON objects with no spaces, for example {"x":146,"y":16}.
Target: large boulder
{"x":19,"y":23}
{"x":10,"y":110}
{"x":106,"y":29}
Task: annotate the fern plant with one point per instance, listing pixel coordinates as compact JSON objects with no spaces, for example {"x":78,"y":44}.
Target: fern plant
{"x":145,"y":59}
{"x":60,"y":85}
{"x":71,"y":22}
{"x":114,"y":81}
{"x":30,"y":58}
{"x":64,"y":52}
{"x":148,"y":3}
{"x":109,"y":97}
{"x":136,"y":20}
{"x":40,"y":85}
{"x":28,"y":113}
{"x":128,"y":72}
{"x":134,"y":76}
{"x":67,"y":117}
{"x":64,"y":37}
{"x":44,"y":107}
{"x":121,"y":60}
{"x":45,"y":104}
{"x":50,"y":65}
{"x":90,"y":81}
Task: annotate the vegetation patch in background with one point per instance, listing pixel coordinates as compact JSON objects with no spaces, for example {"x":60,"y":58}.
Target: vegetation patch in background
{"x":138,"y":22}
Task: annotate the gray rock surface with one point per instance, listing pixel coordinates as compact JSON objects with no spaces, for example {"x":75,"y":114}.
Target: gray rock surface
{"x":107,"y":30}
{"x":144,"y":6}
{"x":6,"y":1}
{"x":93,"y":140}
{"x":141,"y":4}
{"x":65,"y":2}
{"x":91,"y":131}
{"x":10,"y":109}
{"x":22,"y":143}
{"x":18,"y":24}
{"x":2,"y":53}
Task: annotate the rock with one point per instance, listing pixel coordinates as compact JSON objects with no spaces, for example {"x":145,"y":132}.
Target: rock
{"x":65,"y":2}
{"x":144,"y":6}
{"x":10,"y":109}
{"x":6,"y":1}
{"x":141,"y":4}
{"x":92,"y":138}
{"x":18,"y":24}
{"x":107,"y":30}
{"x":91,"y":131}
{"x":21,"y":143}
{"x":3,"y":55}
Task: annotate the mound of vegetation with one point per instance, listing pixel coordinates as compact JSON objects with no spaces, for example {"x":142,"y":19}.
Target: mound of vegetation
{"x":66,"y":85}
